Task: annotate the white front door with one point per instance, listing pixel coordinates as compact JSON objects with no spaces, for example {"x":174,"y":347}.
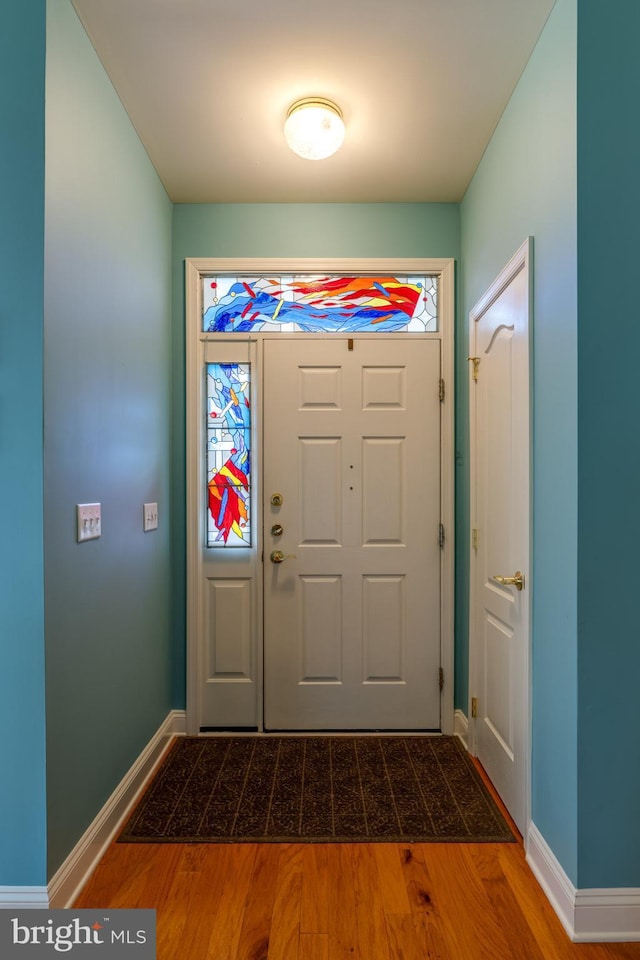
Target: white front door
{"x":352,"y":502}
{"x":500,"y":569}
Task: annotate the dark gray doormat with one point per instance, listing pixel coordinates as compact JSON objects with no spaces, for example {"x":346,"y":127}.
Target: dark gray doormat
{"x":316,"y":789}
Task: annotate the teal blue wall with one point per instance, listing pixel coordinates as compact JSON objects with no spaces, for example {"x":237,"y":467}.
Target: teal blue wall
{"x":609,"y":451}
{"x":107,"y":366}
{"x":22,"y":786}
{"x":283,"y":230}
{"x":526,"y":185}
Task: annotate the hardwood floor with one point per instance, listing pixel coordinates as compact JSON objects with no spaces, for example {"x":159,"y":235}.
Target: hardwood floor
{"x":332,"y":901}
{"x":366,"y":901}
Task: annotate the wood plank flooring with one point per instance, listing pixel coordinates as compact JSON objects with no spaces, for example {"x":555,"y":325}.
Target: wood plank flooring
{"x":339,"y":902}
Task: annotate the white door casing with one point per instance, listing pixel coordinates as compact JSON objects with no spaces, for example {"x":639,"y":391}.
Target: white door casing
{"x":224,"y":588}
{"x":499,"y":641}
{"x":352,"y":615}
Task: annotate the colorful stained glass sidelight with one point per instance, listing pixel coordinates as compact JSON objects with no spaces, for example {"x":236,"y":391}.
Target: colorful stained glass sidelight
{"x":320,"y":304}
{"x":228,"y":455}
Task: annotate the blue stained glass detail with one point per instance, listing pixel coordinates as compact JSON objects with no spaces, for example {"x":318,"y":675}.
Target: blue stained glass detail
{"x":228,"y":454}
{"x":327,"y":304}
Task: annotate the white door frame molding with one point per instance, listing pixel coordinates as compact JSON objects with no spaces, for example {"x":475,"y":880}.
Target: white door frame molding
{"x":196,"y":341}
{"x":522,"y":260}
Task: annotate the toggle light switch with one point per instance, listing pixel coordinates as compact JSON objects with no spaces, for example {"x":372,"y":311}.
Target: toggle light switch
{"x":89,"y":521}
{"x":150,"y":517}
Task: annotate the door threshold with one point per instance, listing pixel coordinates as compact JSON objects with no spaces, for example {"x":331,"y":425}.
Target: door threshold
{"x":254,"y":731}
{"x":229,"y":730}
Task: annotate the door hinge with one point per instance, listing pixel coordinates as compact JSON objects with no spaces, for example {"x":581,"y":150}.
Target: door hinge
{"x":474,"y":539}
{"x":474,"y":708}
{"x":441,"y":678}
{"x":441,"y":390}
{"x":476,"y":363}
{"x":441,"y":536}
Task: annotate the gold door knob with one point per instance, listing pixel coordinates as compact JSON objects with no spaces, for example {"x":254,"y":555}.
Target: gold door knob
{"x":517,"y":580}
{"x":277,"y":556}
{"x":276,"y":499}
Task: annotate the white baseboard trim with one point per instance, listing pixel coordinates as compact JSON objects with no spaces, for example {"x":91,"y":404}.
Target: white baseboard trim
{"x":461,"y":727}
{"x":69,"y":880}
{"x":179,"y":723}
{"x":24,"y":898}
{"x":557,"y":887}
{"x":608,"y":915}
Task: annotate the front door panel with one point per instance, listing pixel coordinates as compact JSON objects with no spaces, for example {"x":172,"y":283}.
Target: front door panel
{"x":352,"y":613}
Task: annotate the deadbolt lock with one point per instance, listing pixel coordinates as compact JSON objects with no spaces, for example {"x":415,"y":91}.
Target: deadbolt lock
{"x":277,"y":530}
{"x":276,"y":499}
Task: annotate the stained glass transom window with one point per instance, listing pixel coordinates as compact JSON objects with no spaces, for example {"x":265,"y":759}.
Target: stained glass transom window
{"x":228,"y":454}
{"x":320,"y":304}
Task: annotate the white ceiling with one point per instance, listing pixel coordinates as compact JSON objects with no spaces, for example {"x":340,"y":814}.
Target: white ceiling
{"x":421,"y":83}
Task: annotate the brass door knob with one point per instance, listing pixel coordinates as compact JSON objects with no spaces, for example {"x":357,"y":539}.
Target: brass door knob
{"x":276,"y":499}
{"x":277,"y":556}
{"x":517,"y":580}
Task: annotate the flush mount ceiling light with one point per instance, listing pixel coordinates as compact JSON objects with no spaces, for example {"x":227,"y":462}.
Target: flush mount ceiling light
{"x":314,"y":128}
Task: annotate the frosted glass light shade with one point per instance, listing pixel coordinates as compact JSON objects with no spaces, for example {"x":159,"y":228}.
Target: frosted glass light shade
{"x":314,"y":128}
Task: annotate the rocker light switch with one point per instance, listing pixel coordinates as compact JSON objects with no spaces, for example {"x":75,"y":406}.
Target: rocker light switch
{"x":89,"y":521}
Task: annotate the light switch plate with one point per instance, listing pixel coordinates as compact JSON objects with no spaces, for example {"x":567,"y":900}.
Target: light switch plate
{"x":89,"y":521}
{"x":150,"y":521}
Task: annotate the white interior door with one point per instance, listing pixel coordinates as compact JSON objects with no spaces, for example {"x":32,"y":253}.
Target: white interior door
{"x":352,"y":458}
{"x":499,"y":340}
